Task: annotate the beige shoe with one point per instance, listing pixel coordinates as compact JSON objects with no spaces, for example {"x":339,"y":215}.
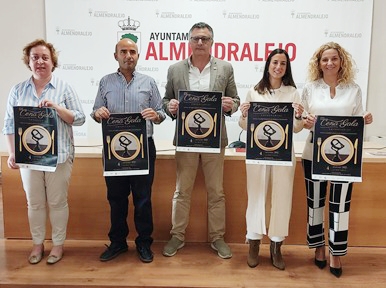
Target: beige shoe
{"x":35,"y":258}
{"x":253,"y":256}
{"x":52,"y":259}
{"x":55,"y":255}
{"x":222,"y":248}
{"x":173,"y":246}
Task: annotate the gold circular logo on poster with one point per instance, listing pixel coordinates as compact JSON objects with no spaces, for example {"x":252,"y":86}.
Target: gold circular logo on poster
{"x":199,"y":123}
{"x":37,"y":140}
{"x":336,"y":150}
{"x":125,"y":146}
{"x":269,"y":135}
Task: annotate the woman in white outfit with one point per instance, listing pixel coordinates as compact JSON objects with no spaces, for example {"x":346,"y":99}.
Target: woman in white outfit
{"x":331,"y":91}
{"x":276,"y":85}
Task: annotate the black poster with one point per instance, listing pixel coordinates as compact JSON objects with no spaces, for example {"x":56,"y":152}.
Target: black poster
{"x":269,"y":133}
{"x":199,"y":121}
{"x":125,"y":146}
{"x":36,"y":145}
{"x":337,"y":149}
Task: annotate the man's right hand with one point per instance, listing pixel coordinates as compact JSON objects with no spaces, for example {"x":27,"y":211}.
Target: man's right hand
{"x":102,"y":113}
{"x":173,"y":106}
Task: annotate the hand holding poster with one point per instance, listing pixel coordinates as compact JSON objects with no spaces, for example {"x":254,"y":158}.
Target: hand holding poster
{"x":36,"y":138}
{"x":199,"y":121}
{"x":269,"y":133}
{"x":337,"y":150}
{"x":125,"y":146}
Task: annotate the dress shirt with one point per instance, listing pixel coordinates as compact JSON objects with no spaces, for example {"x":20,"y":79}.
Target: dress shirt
{"x":57,"y":91}
{"x":118,"y":96}
{"x":199,"y":81}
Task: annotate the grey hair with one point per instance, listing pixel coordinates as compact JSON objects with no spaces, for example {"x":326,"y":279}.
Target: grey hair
{"x":201,"y":25}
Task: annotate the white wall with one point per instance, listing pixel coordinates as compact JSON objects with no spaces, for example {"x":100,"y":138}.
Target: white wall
{"x":24,"y":20}
{"x":377,"y":76}
{"x":21,"y":21}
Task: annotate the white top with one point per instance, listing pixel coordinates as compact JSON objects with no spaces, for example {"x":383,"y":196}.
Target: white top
{"x":316,"y":100}
{"x":283,"y":94}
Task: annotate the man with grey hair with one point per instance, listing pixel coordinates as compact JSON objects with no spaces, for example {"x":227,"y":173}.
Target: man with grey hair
{"x":200,"y":72}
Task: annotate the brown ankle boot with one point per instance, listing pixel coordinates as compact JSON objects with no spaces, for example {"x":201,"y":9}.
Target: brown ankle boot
{"x":276,"y":257}
{"x":253,"y":256}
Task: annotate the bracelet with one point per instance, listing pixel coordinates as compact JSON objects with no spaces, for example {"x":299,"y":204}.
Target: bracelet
{"x":298,"y":118}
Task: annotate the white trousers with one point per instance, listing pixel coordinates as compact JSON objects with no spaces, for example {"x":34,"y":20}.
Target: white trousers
{"x":264,"y":211}
{"x":50,"y":189}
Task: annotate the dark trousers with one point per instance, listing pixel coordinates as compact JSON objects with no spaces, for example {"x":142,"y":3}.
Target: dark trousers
{"x":339,"y":208}
{"x":118,"y":191}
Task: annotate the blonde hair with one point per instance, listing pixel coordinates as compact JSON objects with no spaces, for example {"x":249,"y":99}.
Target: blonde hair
{"x":346,"y":72}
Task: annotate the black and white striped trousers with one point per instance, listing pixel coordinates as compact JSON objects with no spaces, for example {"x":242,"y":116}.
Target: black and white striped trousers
{"x":339,"y":207}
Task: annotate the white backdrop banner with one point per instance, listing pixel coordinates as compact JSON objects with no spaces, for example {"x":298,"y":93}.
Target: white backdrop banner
{"x":245,"y":32}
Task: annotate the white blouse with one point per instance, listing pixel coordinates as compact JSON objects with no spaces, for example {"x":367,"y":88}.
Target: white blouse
{"x":316,"y":100}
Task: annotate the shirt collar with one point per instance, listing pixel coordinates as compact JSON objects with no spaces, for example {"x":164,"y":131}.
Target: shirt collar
{"x":120,"y":73}
{"x":191,"y":65}
{"x":52,"y":82}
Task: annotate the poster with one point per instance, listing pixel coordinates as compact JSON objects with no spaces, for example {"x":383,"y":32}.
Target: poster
{"x":199,"y":121}
{"x":269,"y":133}
{"x":161,"y":28}
{"x":36,"y":144}
{"x":125,"y":145}
{"x":337,"y":149}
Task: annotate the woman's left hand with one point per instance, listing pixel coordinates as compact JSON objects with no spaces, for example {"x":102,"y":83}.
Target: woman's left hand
{"x":65,"y":114}
{"x":48,"y":103}
{"x":368,"y":118}
{"x":298,"y":109}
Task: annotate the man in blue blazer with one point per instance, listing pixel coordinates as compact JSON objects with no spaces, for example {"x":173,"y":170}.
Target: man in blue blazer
{"x":200,"y":72}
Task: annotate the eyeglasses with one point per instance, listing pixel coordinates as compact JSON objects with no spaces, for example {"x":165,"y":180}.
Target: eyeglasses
{"x":203,"y":39}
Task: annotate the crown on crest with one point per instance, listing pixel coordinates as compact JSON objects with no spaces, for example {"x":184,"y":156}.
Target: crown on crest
{"x":129,"y":24}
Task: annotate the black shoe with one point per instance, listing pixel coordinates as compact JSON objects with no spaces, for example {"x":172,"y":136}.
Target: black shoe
{"x":337,"y":272}
{"x":112,"y":251}
{"x":145,"y":254}
{"x":320,"y":263}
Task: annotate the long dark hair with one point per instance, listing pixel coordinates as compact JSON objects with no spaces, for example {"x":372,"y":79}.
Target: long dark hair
{"x":264,"y":84}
